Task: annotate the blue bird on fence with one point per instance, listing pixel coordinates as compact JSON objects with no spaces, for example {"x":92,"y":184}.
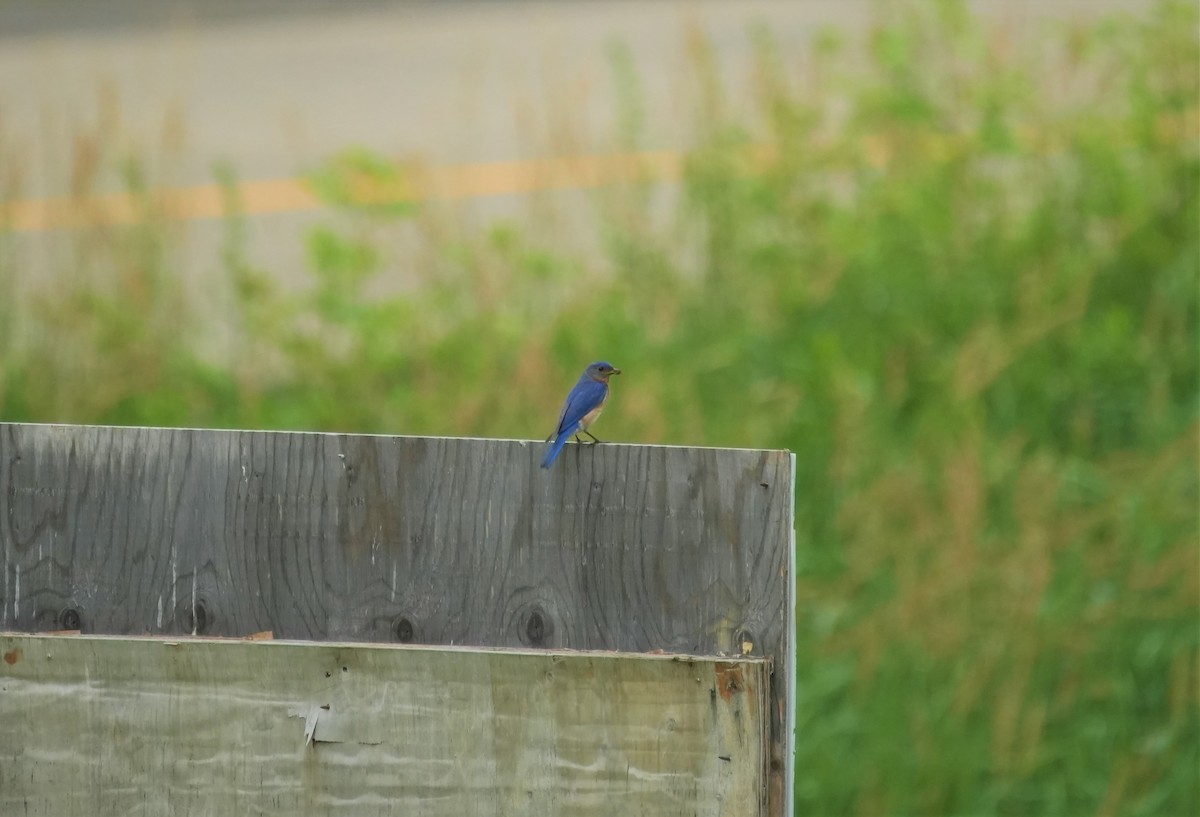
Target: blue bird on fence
{"x":583,"y":406}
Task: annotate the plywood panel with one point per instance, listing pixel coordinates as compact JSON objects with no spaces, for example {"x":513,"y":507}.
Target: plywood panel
{"x":399,"y":539}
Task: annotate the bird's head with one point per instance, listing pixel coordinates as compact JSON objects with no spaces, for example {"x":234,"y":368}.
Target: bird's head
{"x":601,"y":371}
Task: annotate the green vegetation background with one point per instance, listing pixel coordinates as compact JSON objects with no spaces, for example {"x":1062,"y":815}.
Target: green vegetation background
{"x":957,"y":274}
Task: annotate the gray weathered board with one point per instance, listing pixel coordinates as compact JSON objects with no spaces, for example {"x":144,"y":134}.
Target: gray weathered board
{"x":401,"y":539}
{"x":102,"y":725}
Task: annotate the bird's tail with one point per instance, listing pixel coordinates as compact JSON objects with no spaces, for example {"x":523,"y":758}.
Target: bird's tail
{"x":555,"y":447}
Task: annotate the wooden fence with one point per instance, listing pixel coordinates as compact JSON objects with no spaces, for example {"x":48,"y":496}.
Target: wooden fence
{"x":412,"y":541}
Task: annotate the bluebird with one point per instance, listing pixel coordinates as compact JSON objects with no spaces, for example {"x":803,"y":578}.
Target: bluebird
{"x":583,"y":406}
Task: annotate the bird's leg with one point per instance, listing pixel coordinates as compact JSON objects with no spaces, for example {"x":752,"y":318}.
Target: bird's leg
{"x":595,"y":439}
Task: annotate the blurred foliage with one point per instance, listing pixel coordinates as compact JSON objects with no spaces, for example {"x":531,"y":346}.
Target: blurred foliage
{"x":957,"y":275}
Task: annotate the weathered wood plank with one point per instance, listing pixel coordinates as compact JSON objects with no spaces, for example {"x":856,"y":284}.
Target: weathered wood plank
{"x":110,"y":725}
{"x":371,"y":538}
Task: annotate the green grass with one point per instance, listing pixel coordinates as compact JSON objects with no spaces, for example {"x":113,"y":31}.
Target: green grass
{"x":959,"y":276}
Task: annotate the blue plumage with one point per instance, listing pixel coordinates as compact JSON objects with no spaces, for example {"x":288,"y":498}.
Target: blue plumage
{"x":582,"y":407}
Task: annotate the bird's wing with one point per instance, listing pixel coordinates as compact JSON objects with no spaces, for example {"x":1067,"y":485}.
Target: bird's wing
{"x":586,"y":395}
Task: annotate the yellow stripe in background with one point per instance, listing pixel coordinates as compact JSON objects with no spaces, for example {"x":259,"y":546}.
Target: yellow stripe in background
{"x":451,"y":182}
{"x":448,"y":182}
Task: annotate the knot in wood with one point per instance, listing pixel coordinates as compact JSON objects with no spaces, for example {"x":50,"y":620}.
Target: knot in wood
{"x":403,"y":630}
{"x":70,"y":619}
{"x":196,"y":618}
{"x":535,"y":627}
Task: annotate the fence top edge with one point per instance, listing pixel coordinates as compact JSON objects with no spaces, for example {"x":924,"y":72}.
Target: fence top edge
{"x":355,"y":434}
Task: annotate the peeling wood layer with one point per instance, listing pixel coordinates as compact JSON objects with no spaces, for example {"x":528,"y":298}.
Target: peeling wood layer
{"x":109,"y":725}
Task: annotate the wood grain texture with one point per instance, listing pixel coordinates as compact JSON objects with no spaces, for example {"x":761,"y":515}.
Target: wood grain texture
{"x":228,"y":728}
{"x":372,"y":538}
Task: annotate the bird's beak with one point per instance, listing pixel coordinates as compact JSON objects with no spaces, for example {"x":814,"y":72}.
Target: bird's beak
{"x":615,"y":371}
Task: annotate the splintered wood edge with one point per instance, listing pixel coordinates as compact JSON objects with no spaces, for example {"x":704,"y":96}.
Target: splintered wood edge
{"x":266,"y":640}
